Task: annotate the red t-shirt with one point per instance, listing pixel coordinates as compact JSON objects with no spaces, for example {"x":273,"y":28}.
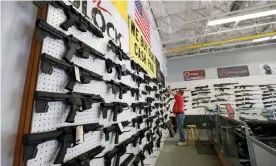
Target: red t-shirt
{"x":178,"y":106}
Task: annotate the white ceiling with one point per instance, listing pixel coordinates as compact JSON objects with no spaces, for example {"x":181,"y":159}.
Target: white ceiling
{"x":184,"y":23}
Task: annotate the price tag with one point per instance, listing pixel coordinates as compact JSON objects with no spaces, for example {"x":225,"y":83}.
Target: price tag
{"x":79,"y":135}
{"x":121,"y":127}
{"x":77,"y":73}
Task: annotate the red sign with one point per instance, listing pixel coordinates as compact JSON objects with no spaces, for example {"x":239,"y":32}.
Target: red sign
{"x":194,"y":75}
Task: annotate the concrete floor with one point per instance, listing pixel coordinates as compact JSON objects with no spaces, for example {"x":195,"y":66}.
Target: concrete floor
{"x":174,"y":155}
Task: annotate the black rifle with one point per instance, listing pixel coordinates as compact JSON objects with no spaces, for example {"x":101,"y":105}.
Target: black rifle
{"x":177,"y":89}
{"x":78,"y":102}
{"x":109,"y":64}
{"x":65,"y":135}
{"x":135,"y":78}
{"x":222,"y":89}
{"x":135,"y":66}
{"x":247,"y":90}
{"x":246,"y":94}
{"x":73,"y":18}
{"x":118,"y":51}
{"x":243,"y":99}
{"x":246,"y":103}
{"x":269,"y":97}
{"x":134,"y":91}
{"x":115,"y":107}
{"x":139,"y":136}
{"x":149,"y":135}
{"x":138,"y":120}
{"x":73,"y":45}
{"x":224,"y":84}
{"x":201,"y":98}
{"x":139,"y":105}
{"x":139,"y":158}
{"x":148,"y":110}
{"x":201,"y":87}
{"x":84,"y":158}
{"x":114,"y":128}
{"x":243,"y":86}
{"x":148,"y":147}
{"x":127,"y":160}
{"x":222,"y":94}
{"x":200,"y":90}
{"x":198,"y":93}
{"x":85,"y":76}
{"x":117,"y":87}
{"x":149,"y":100}
{"x":269,"y":102}
{"x":266,"y":94}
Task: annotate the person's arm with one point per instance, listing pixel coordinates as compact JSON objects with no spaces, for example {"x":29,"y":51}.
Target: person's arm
{"x":170,"y":91}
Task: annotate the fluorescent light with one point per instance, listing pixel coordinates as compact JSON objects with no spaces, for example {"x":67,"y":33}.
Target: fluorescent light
{"x":261,"y":39}
{"x":274,"y":37}
{"x":243,"y":17}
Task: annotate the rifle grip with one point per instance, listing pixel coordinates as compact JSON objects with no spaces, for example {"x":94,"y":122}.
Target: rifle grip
{"x":62,"y":152}
{"x":71,"y":49}
{"x":120,"y":93}
{"x":29,"y":152}
{"x":106,"y":136}
{"x":115,"y":116}
{"x":70,"y":85}
{"x":138,"y":125}
{"x":104,"y":113}
{"x":142,"y":163}
{"x":117,"y":162}
{"x":71,"y":115}
{"x":68,"y":23}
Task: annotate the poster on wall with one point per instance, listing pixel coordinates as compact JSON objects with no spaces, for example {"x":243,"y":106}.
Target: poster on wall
{"x":268,"y":68}
{"x":194,"y":75}
{"x":234,"y":71}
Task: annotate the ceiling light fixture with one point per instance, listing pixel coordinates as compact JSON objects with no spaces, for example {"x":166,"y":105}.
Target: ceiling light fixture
{"x":243,"y":17}
{"x":261,"y":39}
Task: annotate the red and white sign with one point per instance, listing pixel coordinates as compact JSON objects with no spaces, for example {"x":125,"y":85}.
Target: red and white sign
{"x":194,"y":75}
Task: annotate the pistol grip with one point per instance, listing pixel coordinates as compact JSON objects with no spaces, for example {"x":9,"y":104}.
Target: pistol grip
{"x":120,"y":93}
{"x":106,"y":136}
{"x":71,"y":49}
{"x":70,"y":20}
{"x":41,"y":106}
{"x":115,"y":116}
{"x":29,"y":152}
{"x":72,"y":113}
{"x":70,"y":85}
{"x":116,"y":137}
{"x":104,"y":111}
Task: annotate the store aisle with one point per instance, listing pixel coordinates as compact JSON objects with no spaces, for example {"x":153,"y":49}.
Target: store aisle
{"x":175,"y":155}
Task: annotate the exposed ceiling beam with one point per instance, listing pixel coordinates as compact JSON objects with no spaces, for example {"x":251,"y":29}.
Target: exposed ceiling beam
{"x":221,"y":15}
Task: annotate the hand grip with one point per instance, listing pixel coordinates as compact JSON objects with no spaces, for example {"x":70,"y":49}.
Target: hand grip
{"x":104,"y":111}
{"x":72,"y":113}
{"x":138,"y":125}
{"x":115,"y":113}
{"x":116,"y":137}
{"x":117,"y":162}
{"x":70,"y":20}
{"x":62,"y":152}
{"x":106,"y":136}
{"x":120,"y":93}
{"x":71,"y":50}
{"x":70,"y":85}
{"x":29,"y":152}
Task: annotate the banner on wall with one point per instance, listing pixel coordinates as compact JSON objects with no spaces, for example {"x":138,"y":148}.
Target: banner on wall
{"x":234,"y":71}
{"x":194,"y":75}
{"x":159,"y":75}
{"x":268,"y":68}
{"x":140,"y":50}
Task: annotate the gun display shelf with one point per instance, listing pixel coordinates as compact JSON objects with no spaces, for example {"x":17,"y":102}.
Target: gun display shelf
{"x":55,"y":117}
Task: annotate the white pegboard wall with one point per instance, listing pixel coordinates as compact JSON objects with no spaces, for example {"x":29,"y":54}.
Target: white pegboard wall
{"x":251,"y":80}
{"x":58,"y":111}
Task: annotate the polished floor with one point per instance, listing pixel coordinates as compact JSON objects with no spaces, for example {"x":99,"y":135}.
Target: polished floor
{"x":174,"y":155}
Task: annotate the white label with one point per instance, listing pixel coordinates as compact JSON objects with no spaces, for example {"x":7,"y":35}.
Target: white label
{"x":77,"y":73}
{"x":121,"y":126}
{"x":79,"y":135}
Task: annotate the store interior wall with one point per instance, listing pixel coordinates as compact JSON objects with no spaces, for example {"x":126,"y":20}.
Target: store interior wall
{"x":17,"y":23}
{"x":251,"y":57}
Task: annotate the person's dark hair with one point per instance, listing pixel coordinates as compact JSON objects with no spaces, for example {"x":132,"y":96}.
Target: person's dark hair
{"x":181,"y":92}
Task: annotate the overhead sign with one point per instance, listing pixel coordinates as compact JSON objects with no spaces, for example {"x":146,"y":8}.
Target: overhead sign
{"x":194,"y":75}
{"x":140,"y":50}
{"x":234,"y":71}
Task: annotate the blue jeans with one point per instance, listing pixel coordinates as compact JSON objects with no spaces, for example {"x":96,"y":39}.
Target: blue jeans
{"x":179,"y":121}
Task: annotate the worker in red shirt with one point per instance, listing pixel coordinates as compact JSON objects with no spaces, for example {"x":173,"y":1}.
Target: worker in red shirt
{"x":178,"y":110}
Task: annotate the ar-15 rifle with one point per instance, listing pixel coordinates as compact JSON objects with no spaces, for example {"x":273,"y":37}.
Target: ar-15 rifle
{"x":114,"y":128}
{"x":109,"y":64}
{"x":117,"y":87}
{"x":78,"y":101}
{"x":127,"y":160}
{"x":269,"y":97}
{"x":65,"y":135}
{"x":247,"y":90}
{"x":243,"y":99}
{"x":138,"y":120}
{"x":201,"y":87}
{"x":269,"y":102}
{"x":115,"y":107}
{"x":118,"y":51}
{"x":84,"y":76}
{"x":117,"y":151}
{"x":198,"y":93}
{"x":201,"y":98}
{"x":246,"y":94}
{"x":246,"y":103}
{"x":84,"y":158}
{"x":222,"y":94}
{"x":139,"y":158}
{"x":224,"y":84}
{"x":135,"y":66}
{"x":149,"y":121}
{"x":222,"y":89}
{"x":139,"y":135}
{"x":243,"y":86}
{"x":139,"y":105}
{"x":73,"y":45}
{"x":135,"y":78}
{"x":73,"y":18}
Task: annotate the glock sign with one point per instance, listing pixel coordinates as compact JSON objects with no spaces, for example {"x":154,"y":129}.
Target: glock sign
{"x":235,"y":71}
{"x":194,"y":75}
